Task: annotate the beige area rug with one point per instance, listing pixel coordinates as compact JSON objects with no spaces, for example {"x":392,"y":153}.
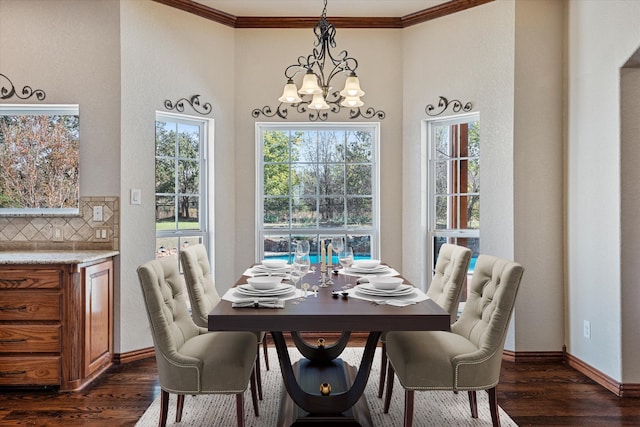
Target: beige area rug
{"x":432,"y":408}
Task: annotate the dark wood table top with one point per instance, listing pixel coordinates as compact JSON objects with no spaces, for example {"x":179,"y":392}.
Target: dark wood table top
{"x":326,"y":313}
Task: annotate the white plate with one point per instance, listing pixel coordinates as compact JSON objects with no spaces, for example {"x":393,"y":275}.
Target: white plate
{"x":379,"y":269}
{"x":281,"y":289}
{"x":368,"y":289}
{"x":367,"y":263}
{"x":263,"y":269}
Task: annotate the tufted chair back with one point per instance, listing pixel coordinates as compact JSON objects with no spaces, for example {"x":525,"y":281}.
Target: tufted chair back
{"x":449,"y":277}
{"x":485,"y":319}
{"x":171,"y":325}
{"x":202,"y":290}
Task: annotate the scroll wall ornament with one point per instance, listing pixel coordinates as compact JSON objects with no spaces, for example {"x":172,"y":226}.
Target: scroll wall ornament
{"x":194,"y":102}
{"x":315,"y":115}
{"x":8,"y":90}
{"x":444,"y":103}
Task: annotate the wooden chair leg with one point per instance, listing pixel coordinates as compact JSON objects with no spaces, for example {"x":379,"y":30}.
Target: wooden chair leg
{"x":164,"y":407}
{"x":493,"y":407}
{"x":179,"y":406}
{"x":258,"y":374}
{"x":408,"y":407}
{"x":265,"y":352}
{"x":254,"y":398}
{"x":473,"y":404}
{"x":387,"y":397}
{"x":240,"y":409}
{"x":383,"y":369}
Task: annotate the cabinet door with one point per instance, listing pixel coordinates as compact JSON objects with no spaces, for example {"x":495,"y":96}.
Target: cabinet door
{"x":98,"y":316}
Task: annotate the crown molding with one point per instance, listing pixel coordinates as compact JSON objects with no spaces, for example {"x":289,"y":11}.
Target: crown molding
{"x":233,"y":21}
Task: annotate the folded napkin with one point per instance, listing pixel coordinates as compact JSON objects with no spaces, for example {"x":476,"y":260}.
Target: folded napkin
{"x":258,"y":303}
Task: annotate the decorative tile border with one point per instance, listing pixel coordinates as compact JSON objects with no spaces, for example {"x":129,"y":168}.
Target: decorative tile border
{"x":79,"y":232}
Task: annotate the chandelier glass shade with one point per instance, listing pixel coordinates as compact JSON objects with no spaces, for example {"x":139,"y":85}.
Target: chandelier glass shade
{"x":320,"y":68}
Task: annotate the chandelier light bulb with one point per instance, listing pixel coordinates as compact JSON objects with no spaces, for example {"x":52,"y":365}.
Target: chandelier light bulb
{"x":352,"y":102}
{"x":310,"y":84}
{"x":352,"y":87}
{"x":318,"y":102}
{"x":290,"y":93}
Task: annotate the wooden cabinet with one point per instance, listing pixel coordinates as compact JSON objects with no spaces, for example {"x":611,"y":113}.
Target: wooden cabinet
{"x":56,"y":323}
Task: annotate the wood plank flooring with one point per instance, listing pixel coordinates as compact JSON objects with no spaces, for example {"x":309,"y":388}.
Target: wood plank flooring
{"x":536,"y":394}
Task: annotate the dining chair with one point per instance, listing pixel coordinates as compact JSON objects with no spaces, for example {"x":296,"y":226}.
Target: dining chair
{"x":204,"y":296}
{"x":449,"y":277}
{"x":190,"y":359}
{"x":468,"y":357}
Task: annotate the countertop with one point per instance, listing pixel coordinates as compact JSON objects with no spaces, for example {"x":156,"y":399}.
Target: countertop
{"x":54,"y":257}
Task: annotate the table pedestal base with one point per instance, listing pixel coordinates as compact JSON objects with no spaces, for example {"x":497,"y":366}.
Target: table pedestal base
{"x":310,"y":375}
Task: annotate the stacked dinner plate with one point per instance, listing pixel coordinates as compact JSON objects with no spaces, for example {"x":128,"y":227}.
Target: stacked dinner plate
{"x":369,"y":290}
{"x":280,"y":290}
{"x":263,"y":269}
{"x":365,"y":269}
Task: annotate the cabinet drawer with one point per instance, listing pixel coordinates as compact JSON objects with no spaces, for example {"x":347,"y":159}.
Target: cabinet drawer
{"x":30,"y":279}
{"x":29,"y":338}
{"x":29,"y":371}
{"x":27,"y":305}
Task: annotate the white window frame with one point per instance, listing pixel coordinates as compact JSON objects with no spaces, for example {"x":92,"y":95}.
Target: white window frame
{"x":322,"y":233}
{"x":206,"y":135}
{"x":432,"y":232}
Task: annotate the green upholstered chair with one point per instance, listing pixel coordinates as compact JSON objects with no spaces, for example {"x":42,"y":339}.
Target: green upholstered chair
{"x":470,"y":356}
{"x":192,"y":360}
{"x":446,"y":285}
{"x":204,"y":296}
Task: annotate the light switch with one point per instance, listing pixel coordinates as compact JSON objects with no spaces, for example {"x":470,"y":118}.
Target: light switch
{"x":97,"y":213}
{"x":136,"y":195}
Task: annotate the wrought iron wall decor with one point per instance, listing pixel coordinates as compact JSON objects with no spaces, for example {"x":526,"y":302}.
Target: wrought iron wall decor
{"x":315,"y":95}
{"x":194,"y":102}
{"x":444,"y":103}
{"x":315,"y":115}
{"x":8,"y":90}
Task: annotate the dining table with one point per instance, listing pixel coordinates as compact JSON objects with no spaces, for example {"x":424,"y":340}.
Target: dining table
{"x":320,"y":387}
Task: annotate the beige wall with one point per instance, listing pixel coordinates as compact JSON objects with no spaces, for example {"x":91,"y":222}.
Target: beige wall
{"x":601,"y":37}
{"x":169,"y":54}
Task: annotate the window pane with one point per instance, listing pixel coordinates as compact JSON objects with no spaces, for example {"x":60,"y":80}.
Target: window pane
{"x":473,"y":173}
{"x":473,"y":212}
{"x":188,"y":141}
{"x":165,"y":176}
{"x":361,"y":246}
{"x":304,"y":179}
{"x":276,"y":212}
{"x":359,"y":179}
{"x":165,"y":213}
{"x":188,"y":208}
{"x":188,"y":176}
{"x":359,"y":147}
{"x":332,"y":212}
{"x":276,"y":246}
{"x":331,"y":147}
{"x":442,"y":150}
{"x":303,"y":213}
{"x":359,"y":211}
{"x":442,"y":178}
{"x":275,"y":146}
{"x":331,"y":179}
{"x":442,"y":212}
{"x":165,"y":138}
{"x":276,"y":179}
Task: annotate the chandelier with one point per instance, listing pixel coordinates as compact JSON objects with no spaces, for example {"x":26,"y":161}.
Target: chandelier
{"x":319,"y":69}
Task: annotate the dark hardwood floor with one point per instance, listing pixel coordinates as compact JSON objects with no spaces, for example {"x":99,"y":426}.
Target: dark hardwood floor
{"x":541,"y":394}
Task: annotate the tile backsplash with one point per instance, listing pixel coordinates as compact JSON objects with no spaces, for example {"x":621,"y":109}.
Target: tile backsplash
{"x":75,"y":232}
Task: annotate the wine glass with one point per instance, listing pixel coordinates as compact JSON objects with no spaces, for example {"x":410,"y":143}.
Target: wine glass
{"x":295,"y":277}
{"x":337,"y":244}
{"x":302,"y":265}
{"x":302,"y":247}
{"x":346,"y":260}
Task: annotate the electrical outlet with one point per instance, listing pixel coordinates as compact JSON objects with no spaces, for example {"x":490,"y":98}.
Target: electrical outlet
{"x":586,"y":329}
{"x":97,"y":213}
{"x":58,"y":233}
{"x":102,"y":233}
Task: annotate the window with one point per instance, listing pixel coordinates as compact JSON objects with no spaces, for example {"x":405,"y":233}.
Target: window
{"x":39,"y":158}
{"x":180,"y":183}
{"x":315,"y":182}
{"x":454,"y":184}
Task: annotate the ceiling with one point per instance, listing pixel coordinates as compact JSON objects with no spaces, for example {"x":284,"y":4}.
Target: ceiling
{"x":308,"y":8}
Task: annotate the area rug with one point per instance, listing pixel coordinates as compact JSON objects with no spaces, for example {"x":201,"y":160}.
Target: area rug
{"x":431,"y":408}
